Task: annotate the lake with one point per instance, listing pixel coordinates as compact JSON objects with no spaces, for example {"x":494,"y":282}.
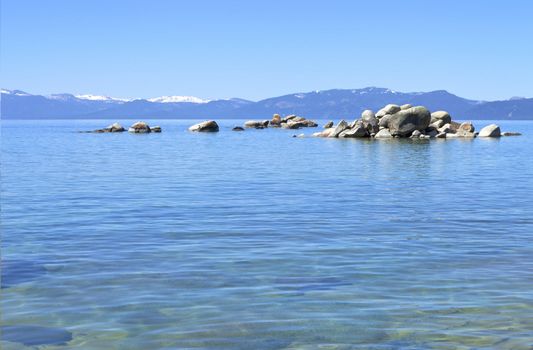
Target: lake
{"x":257,"y":240}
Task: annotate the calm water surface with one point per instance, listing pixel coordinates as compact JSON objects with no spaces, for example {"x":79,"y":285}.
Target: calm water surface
{"x":257,"y":240}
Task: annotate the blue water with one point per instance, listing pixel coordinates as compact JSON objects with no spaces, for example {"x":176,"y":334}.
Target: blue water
{"x":257,"y":240}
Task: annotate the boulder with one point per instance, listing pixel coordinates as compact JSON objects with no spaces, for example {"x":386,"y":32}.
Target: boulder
{"x":446,"y":128}
{"x":324,"y":133}
{"x":328,"y":125}
{"x":357,"y":131}
{"x":207,"y":126}
{"x":258,"y":124}
{"x":238,"y":128}
{"x":466,"y":127}
{"x":437,"y":124}
{"x":404,"y":122}
{"x":431,"y":132}
{"x":384,"y":121}
{"x":441,"y":135}
{"x":441,"y":115}
{"x":511,"y":133}
{"x":416,"y":134}
{"x":276,"y":120}
{"x":310,"y":124}
{"x":370,"y":122}
{"x":405,"y":106}
{"x":491,"y":130}
{"x":367,"y":115}
{"x":339,"y":128}
{"x":383,"y":134}
{"x":388,"y":109}
{"x":155,"y":128}
{"x":115,"y":127}
{"x":139,"y":128}
{"x":288,"y":117}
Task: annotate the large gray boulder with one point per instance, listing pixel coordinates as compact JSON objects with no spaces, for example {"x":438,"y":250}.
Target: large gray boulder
{"x":384,"y":121}
{"x":383,"y":134}
{"x":357,"y":131}
{"x":207,"y":126}
{"x":388,"y":109}
{"x":491,"y":130}
{"x":139,"y":128}
{"x":370,"y":122}
{"x":404,"y":122}
{"x":441,"y":115}
{"x":339,"y":128}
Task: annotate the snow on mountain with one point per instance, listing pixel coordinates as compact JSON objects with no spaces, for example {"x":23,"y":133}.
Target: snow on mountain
{"x":101,"y":98}
{"x":177,"y":99}
{"x":14,"y":92}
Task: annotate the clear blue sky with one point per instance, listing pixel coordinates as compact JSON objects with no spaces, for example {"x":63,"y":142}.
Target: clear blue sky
{"x":258,"y":49}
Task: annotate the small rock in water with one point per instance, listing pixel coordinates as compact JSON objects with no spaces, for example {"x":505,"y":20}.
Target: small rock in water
{"x":299,"y":135}
{"x":491,"y":130}
{"x":328,"y":125}
{"x":139,"y":128}
{"x":207,"y":126}
{"x":258,"y":124}
{"x":238,"y":128}
{"x":511,"y":133}
{"x":155,"y":128}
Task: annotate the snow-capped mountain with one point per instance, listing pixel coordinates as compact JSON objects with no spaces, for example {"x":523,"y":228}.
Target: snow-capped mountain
{"x":177,"y":99}
{"x":331,"y":104}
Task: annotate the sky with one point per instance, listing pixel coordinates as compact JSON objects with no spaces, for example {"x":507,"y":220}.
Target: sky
{"x":259,"y":49}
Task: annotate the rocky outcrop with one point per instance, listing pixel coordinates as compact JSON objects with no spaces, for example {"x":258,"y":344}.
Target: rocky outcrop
{"x":491,"y":130}
{"x":139,"y":128}
{"x":207,"y":126}
{"x":258,"y":124}
{"x":404,"y":122}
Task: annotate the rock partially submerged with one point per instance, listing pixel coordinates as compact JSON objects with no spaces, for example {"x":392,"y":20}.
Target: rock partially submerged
{"x":155,"y":128}
{"x":238,"y":128}
{"x":139,"y":128}
{"x":404,"y":122}
{"x":115,"y":127}
{"x":207,"y":126}
{"x":491,"y":130}
{"x":258,"y":124}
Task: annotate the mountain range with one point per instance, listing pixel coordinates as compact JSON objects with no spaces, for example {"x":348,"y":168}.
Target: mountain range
{"x":336,"y":103}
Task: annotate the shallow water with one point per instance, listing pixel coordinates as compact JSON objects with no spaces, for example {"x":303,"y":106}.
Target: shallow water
{"x":257,"y":240}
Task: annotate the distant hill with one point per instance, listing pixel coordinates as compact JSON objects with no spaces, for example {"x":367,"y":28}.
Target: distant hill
{"x":337,"y":103}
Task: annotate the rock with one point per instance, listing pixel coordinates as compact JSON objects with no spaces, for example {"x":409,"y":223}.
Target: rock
{"x":466,"y":127}
{"x":441,"y":135}
{"x":367,"y":115}
{"x":454,"y":125}
{"x":441,"y":115}
{"x":155,"y":128}
{"x":431,"y":132}
{"x":258,"y":124}
{"x":207,"y":126}
{"x":139,"y":128}
{"x":384,"y":121}
{"x":405,"y":106}
{"x":299,"y":135}
{"x":388,"y":109}
{"x":324,"y":133}
{"x":416,"y":134}
{"x":491,"y":130}
{"x":446,"y":128}
{"x":403,"y":123}
{"x":451,"y":135}
{"x":276,"y":120}
{"x":383,"y":134}
{"x":357,"y":131}
{"x":238,"y":128}
{"x":370,"y":121}
{"x":115,"y":127}
{"x":296,"y":124}
{"x":288,"y":117}
{"x":328,"y":125}
{"x":437,"y":124}
{"x":511,"y":133}
{"x":464,"y":133}
{"x":339,"y":128}
{"x":309,"y":123}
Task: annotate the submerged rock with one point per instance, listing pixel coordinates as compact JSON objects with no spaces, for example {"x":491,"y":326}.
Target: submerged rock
{"x":139,"y":128}
{"x":511,"y":133}
{"x":238,"y":128}
{"x":207,"y":126}
{"x":491,"y":130}
{"x":299,"y":135}
{"x":404,"y":122}
{"x":115,"y":127}
{"x":258,"y":124}
{"x":155,"y":128}
{"x":35,"y":335}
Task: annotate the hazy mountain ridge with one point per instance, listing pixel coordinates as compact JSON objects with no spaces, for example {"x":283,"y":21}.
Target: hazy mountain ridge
{"x":335,"y":103}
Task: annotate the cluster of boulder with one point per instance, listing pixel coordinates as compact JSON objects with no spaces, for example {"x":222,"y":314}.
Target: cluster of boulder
{"x":137,"y":128}
{"x":407,"y":121}
{"x":291,"y":121}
